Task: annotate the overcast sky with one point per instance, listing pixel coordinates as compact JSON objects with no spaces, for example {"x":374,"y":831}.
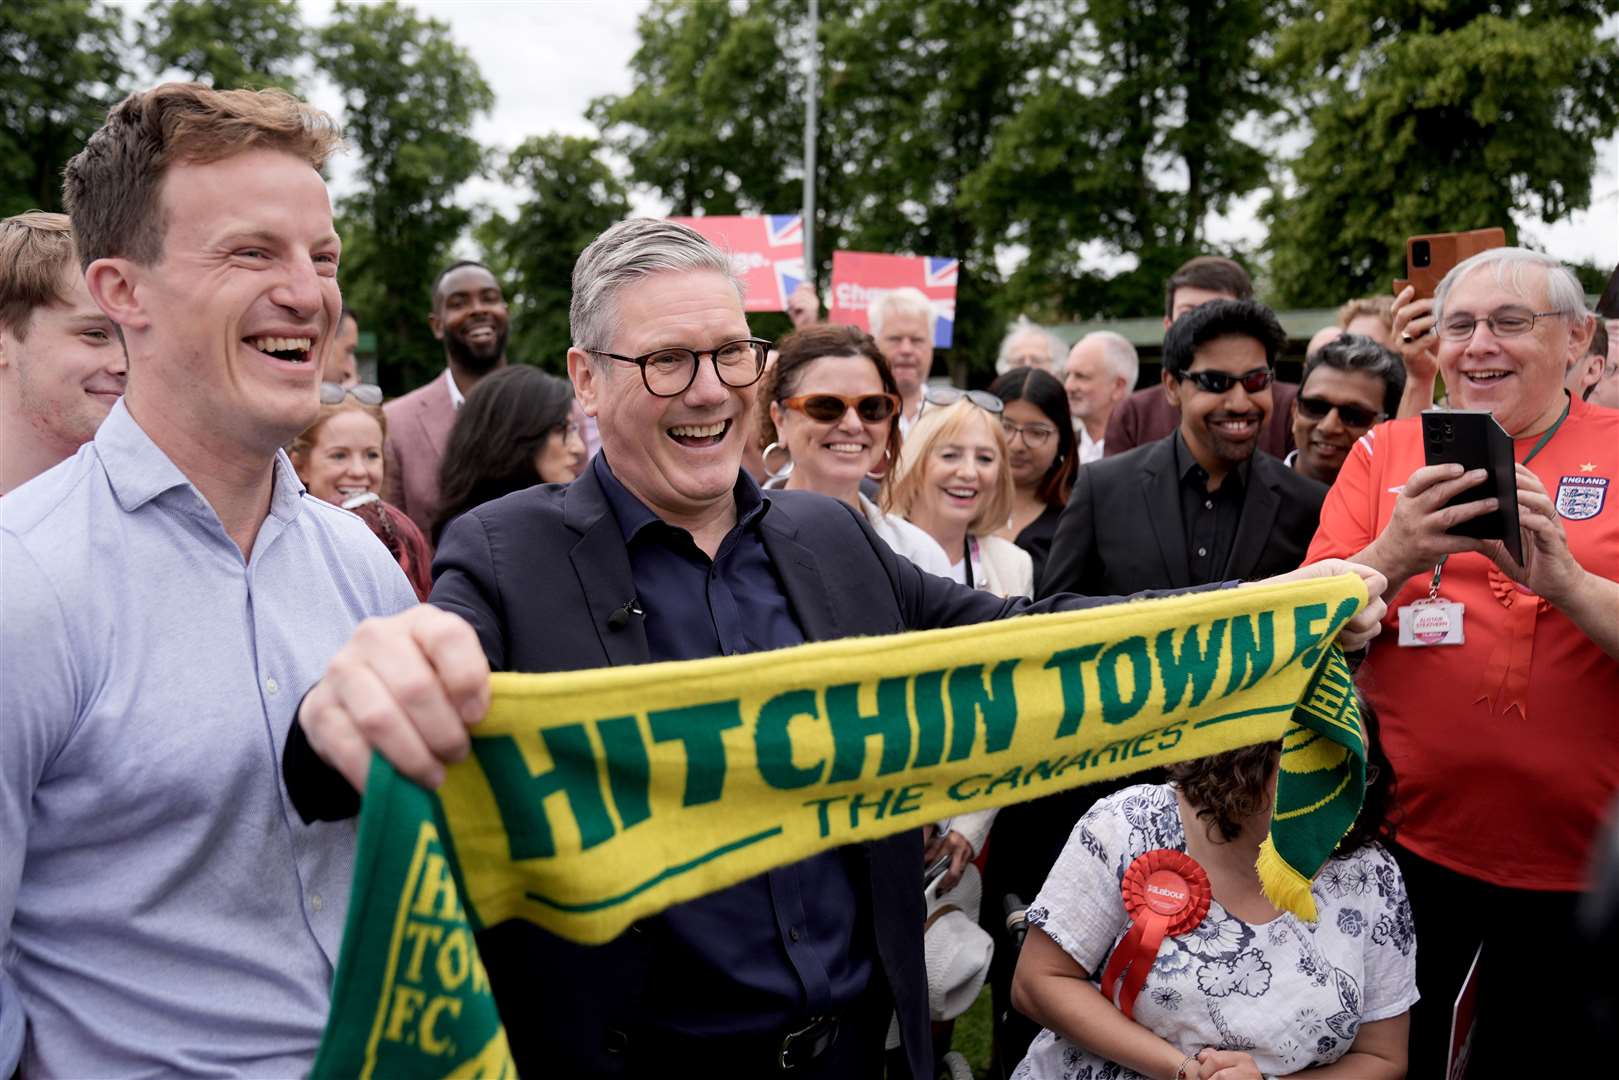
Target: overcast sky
{"x":546,"y":60}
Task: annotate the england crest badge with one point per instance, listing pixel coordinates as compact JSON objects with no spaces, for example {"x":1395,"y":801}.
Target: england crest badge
{"x":1581,"y":497}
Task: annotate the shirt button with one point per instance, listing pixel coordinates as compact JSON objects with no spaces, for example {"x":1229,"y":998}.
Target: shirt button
{"x":1208,"y":504}
{"x":793,"y":933}
{"x":315,"y":902}
{"x":1202,"y":552}
{"x":271,"y":686}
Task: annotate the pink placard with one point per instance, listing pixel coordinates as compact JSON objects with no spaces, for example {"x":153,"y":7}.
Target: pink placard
{"x":767,"y":252}
{"x":860,"y":278}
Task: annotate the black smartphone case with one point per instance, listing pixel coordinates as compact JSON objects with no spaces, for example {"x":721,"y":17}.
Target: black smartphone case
{"x":1473,"y":439}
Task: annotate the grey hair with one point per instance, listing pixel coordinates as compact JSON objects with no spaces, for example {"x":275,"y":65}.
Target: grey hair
{"x":902,"y":301}
{"x":1563,"y":290}
{"x":1056,"y":349}
{"x":624,"y":254}
{"x":1119,"y":355}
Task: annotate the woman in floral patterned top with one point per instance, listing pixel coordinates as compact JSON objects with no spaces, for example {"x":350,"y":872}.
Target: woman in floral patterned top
{"x":1250,"y":993}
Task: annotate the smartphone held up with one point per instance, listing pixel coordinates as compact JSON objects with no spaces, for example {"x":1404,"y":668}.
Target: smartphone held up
{"x":1474,"y":439}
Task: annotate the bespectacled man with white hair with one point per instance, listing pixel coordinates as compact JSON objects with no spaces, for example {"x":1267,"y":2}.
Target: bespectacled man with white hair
{"x":1491,"y":683}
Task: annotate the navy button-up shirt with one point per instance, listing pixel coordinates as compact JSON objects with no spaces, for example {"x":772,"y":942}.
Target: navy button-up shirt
{"x":764,"y":955}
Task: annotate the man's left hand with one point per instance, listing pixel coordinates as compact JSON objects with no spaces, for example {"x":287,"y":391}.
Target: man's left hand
{"x":1367,"y":623}
{"x":1549,"y":568}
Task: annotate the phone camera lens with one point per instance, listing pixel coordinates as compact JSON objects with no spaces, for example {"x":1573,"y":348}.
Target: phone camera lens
{"x":1421,"y":253}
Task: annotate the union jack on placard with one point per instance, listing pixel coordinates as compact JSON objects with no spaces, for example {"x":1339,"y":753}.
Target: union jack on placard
{"x":784,"y":229}
{"x":789,"y":275}
{"x":939,"y":273}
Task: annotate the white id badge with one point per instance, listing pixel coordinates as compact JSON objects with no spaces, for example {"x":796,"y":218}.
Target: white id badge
{"x":1431,"y":622}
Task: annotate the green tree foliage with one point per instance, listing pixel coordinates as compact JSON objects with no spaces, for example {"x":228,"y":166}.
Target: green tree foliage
{"x":411,"y":96}
{"x":912,"y":93}
{"x":228,"y":44}
{"x":915,"y":93}
{"x":1433,"y":116}
{"x":63,"y":69}
{"x":569,"y":196}
{"x":715,"y":120}
{"x":956,"y":127}
{"x":1129,"y":136}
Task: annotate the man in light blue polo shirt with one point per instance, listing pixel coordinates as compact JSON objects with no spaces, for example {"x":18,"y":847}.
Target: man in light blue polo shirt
{"x":166,"y":597}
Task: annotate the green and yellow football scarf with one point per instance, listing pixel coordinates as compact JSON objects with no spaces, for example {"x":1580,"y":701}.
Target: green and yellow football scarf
{"x":595,"y":798}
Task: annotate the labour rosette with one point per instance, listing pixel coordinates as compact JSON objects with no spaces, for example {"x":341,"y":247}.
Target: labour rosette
{"x":1166,"y":893}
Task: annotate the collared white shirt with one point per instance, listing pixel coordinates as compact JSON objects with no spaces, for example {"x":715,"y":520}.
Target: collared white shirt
{"x":457,"y":398}
{"x":1089,"y":449}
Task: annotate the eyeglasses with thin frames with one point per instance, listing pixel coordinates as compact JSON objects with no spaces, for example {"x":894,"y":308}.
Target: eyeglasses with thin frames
{"x":1034,"y":435}
{"x":670,"y":372}
{"x":1510,"y":322}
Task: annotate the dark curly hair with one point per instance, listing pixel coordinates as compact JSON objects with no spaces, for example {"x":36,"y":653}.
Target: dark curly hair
{"x":1226,"y":789}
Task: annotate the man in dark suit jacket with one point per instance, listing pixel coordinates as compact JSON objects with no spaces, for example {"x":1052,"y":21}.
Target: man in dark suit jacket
{"x":1147,"y":415}
{"x":663,"y":549}
{"x":1204,"y":503}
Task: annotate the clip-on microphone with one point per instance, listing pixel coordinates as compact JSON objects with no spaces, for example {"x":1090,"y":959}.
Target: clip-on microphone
{"x":620,"y":616}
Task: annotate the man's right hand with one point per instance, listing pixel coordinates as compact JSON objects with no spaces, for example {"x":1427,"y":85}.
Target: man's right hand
{"x":407,"y":686}
{"x":1415,"y":538}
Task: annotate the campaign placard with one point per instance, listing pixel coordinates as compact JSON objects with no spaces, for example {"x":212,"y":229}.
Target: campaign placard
{"x":860,"y":278}
{"x":767,"y":252}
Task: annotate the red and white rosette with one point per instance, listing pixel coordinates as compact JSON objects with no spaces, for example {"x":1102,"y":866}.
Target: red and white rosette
{"x":1166,"y":893}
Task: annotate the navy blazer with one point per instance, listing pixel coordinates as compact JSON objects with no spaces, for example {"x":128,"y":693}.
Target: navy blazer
{"x":539,"y":574}
{"x":1122,"y":529}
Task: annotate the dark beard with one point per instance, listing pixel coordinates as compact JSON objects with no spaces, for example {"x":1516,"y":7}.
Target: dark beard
{"x":476,"y":361}
{"x":1230,"y":450}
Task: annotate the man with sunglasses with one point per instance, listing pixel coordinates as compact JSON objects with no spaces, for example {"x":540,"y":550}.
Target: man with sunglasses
{"x":1204,"y":503}
{"x":1146,"y":416}
{"x":663,"y":549}
{"x":1349,"y":384}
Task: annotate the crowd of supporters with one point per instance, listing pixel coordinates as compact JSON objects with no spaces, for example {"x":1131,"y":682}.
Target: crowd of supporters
{"x":204,"y":640}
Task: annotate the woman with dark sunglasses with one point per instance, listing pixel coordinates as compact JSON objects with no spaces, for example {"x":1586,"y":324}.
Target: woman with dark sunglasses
{"x":1040,"y":450}
{"x":831,"y":421}
{"x":339,"y":459}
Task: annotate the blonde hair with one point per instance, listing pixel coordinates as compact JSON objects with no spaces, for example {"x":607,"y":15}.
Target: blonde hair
{"x":940,"y":425}
{"x":112,"y":188}
{"x":298,"y":449}
{"x":36,"y":255}
{"x":1380,"y":308}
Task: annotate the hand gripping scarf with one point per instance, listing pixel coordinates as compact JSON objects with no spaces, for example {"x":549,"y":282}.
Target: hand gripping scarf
{"x":595,"y":798}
